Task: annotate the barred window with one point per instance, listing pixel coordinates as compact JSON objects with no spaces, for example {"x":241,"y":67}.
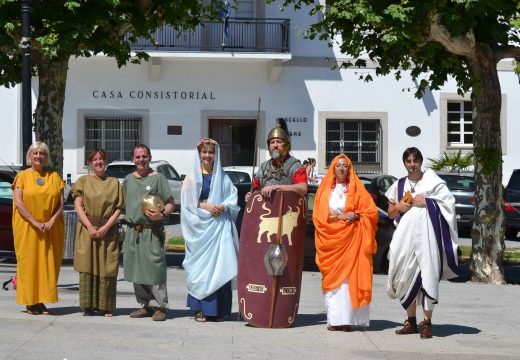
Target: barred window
{"x":116,"y":135}
{"x":359,"y":139}
{"x":460,"y":123}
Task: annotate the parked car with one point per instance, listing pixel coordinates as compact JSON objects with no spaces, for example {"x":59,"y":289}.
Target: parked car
{"x":120,"y":168}
{"x":462,"y":186}
{"x":377,"y":185}
{"x":240,"y":177}
{"x":512,"y":206}
{"x":384,"y":234}
{"x":6,"y":209}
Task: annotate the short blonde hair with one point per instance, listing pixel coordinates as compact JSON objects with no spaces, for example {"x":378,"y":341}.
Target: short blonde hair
{"x":35,"y":146}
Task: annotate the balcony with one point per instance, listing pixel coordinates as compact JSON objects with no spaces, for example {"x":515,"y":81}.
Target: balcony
{"x":243,"y":35}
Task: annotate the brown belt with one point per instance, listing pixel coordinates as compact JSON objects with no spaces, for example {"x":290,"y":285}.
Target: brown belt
{"x":97,"y":221}
{"x":138,"y":228}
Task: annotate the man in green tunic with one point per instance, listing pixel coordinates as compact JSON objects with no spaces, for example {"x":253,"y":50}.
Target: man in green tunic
{"x":144,"y":259}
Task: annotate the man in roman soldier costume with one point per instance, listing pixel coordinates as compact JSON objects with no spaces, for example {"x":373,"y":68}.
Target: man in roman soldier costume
{"x":282,"y":171}
{"x":272,"y":239}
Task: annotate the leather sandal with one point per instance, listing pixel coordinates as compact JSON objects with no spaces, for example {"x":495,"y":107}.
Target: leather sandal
{"x":199,"y":317}
{"x":33,"y":309}
{"x":408,"y":328}
{"x":43,"y":309}
{"x":334,"y":328}
{"x":426,"y":329}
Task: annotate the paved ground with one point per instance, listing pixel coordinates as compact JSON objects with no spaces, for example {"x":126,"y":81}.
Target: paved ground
{"x":473,"y":321}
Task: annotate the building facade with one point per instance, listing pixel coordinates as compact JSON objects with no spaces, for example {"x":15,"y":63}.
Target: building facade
{"x":208,"y":82}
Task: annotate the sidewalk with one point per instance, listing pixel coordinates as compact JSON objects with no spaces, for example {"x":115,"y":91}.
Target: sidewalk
{"x":473,"y":321}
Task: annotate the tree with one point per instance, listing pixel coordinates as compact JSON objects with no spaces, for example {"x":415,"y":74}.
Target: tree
{"x":61,"y":29}
{"x":434,"y":40}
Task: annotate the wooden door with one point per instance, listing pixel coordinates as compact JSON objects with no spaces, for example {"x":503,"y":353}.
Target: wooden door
{"x":220,"y":131}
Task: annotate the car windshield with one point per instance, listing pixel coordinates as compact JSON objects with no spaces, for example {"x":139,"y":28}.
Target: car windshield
{"x":5,"y":190}
{"x":514,"y":182}
{"x":455,"y":182}
{"x":119,"y":171}
{"x":5,"y":186}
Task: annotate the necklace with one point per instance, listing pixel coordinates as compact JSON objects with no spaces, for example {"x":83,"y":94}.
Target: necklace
{"x":40,"y":181}
{"x":341,"y":190}
{"x":413,"y":184}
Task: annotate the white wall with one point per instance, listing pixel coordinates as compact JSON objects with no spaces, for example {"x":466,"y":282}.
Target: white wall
{"x":10,"y":134}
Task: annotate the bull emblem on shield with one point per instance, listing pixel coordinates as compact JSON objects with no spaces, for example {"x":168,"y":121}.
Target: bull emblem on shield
{"x":269,"y":224}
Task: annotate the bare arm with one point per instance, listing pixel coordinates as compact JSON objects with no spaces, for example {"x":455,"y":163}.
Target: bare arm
{"x":78,"y":206}
{"x":59,"y":209}
{"x":299,"y":188}
{"x":395,"y":209}
{"x":155,"y":215}
{"x":103,"y":230}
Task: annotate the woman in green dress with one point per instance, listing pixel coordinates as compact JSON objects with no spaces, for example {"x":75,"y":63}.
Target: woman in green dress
{"x":98,"y":200}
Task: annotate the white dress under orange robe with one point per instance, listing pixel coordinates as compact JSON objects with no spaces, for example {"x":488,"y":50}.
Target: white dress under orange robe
{"x":344,"y":250}
{"x":337,"y":301}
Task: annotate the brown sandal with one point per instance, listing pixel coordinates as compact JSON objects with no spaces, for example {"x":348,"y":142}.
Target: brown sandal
{"x":408,"y":328}
{"x":43,"y":309}
{"x":334,"y":328}
{"x":33,"y":309}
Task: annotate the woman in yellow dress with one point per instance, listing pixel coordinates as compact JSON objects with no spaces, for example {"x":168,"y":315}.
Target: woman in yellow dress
{"x":38,"y":231}
{"x":98,"y":200}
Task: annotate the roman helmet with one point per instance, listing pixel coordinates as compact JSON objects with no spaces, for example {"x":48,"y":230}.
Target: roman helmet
{"x":280,"y":131}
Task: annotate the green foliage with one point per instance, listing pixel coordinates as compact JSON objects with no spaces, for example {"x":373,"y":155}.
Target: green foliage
{"x":452,"y":162}
{"x":396,"y":34}
{"x":490,"y":160}
{"x":61,"y":29}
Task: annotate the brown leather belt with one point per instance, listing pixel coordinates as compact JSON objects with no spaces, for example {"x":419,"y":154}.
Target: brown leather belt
{"x":97,"y":221}
{"x":138,"y":228}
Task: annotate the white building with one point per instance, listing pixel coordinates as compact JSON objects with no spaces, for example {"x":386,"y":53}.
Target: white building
{"x":193,"y":88}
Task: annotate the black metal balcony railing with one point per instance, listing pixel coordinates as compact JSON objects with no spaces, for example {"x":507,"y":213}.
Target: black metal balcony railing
{"x":244,"y":34}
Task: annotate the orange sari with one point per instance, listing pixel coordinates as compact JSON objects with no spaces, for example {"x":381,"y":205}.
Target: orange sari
{"x":344,"y":251}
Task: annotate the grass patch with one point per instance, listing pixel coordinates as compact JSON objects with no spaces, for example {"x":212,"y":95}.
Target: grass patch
{"x":512,"y":254}
{"x":176,"y":240}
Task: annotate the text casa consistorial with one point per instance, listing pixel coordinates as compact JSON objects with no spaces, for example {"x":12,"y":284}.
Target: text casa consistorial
{"x":153,"y":94}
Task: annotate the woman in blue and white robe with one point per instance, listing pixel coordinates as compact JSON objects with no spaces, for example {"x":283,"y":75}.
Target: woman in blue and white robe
{"x":208,"y":213}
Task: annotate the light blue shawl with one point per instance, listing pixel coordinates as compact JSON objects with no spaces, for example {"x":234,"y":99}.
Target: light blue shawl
{"x":211,"y":242}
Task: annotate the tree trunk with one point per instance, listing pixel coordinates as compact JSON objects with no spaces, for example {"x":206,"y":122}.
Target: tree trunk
{"x":48,"y":114}
{"x":486,"y":263}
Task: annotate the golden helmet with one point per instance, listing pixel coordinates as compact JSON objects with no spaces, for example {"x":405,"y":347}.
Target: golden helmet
{"x":280,"y":131}
{"x":152,"y":202}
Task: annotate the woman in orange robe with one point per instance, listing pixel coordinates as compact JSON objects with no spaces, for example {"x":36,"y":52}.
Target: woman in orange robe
{"x":345,"y":218}
{"x":38,"y":231}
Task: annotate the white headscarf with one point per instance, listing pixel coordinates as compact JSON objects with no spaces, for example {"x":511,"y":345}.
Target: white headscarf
{"x":211,"y":243}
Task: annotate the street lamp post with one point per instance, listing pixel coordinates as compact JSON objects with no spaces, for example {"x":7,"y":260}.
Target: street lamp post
{"x":25,"y":44}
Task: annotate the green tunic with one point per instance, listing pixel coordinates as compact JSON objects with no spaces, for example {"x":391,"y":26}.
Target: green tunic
{"x":144,"y":259}
{"x":100,"y":197}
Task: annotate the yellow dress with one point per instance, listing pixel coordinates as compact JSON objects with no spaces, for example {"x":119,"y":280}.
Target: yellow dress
{"x":38,"y":254}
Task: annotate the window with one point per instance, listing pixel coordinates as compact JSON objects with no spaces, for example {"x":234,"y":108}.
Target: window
{"x":116,"y":135}
{"x":460,"y":123}
{"x":245,"y":9}
{"x":359,"y":139}
{"x":169,"y":172}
